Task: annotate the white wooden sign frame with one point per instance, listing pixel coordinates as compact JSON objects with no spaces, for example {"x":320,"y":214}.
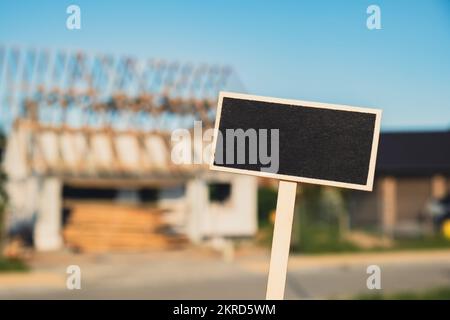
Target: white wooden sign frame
{"x":373,"y":154}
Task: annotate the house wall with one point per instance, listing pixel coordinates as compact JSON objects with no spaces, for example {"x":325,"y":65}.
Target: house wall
{"x":364,"y":209}
{"x":234,"y":217}
{"x":413,"y":194}
{"x":404,"y":197}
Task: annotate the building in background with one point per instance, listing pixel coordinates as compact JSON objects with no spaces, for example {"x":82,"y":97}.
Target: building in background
{"x":413,"y":172}
{"x":89,"y":157}
{"x":89,"y":152}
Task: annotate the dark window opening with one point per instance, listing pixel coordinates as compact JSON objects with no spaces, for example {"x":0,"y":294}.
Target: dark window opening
{"x":70,"y":192}
{"x":148,"y":195}
{"x":219,"y":192}
{"x":90,"y":193}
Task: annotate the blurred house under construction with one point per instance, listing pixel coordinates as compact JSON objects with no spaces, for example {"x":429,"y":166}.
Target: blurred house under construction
{"x":88,"y":154}
{"x":89,"y":157}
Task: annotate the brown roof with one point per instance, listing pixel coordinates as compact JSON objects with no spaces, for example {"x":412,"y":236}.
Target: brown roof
{"x":414,"y":153}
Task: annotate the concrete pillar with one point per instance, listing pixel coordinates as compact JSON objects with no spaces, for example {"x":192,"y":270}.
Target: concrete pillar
{"x":197,"y":198}
{"x":388,"y":204}
{"x":22,"y":201}
{"x":438,"y":187}
{"x":47,"y":230}
{"x":245,"y":203}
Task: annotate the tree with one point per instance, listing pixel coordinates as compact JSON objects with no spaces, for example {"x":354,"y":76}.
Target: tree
{"x":3,"y":194}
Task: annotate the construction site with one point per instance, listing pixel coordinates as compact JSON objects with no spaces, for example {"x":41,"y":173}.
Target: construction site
{"x":108,"y":187}
{"x":88,"y":154}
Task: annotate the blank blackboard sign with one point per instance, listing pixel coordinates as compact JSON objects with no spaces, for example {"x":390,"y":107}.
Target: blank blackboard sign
{"x":296,"y":140}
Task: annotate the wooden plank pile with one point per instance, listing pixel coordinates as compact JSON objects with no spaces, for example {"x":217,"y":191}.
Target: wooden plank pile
{"x":110,"y":227}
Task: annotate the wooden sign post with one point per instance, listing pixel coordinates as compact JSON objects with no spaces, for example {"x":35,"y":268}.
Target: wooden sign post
{"x":309,"y":142}
{"x":281,"y":240}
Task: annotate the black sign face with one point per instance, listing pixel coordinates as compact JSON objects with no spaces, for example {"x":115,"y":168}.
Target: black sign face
{"x":296,"y":140}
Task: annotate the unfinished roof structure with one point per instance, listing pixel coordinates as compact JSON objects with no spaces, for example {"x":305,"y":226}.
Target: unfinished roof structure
{"x":88,"y":120}
{"x":72,"y":113}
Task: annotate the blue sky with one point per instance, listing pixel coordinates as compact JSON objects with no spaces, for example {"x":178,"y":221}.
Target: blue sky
{"x":310,"y":50}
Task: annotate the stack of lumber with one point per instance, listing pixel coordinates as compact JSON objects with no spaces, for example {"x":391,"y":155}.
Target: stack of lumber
{"x":110,"y":227}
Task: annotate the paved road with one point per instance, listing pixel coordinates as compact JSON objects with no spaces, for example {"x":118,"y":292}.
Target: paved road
{"x":198,"y":275}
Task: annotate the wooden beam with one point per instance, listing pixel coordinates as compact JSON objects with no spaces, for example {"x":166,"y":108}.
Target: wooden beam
{"x":438,"y":186}
{"x":389,"y":204}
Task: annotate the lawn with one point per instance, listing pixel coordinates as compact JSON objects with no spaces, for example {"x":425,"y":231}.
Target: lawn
{"x":432,"y":294}
{"x":12,"y":265}
{"x":318,"y":229}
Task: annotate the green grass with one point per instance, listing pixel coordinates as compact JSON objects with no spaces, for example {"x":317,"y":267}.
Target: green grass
{"x":321,"y":238}
{"x":319,"y":243}
{"x":316,"y":227}
{"x":12,"y":265}
{"x":432,"y":294}
{"x":424,"y":243}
